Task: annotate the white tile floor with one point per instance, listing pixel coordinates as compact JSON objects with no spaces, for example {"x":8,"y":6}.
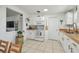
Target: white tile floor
{"x":48,"y":46}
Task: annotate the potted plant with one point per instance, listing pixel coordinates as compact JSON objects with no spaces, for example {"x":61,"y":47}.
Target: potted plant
{"x":61,"y":21}
{"x":20,"y":34}
{"x":19,"y":39}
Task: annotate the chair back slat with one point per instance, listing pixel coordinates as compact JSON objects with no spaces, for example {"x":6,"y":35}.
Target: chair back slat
{"x":3,"y":46}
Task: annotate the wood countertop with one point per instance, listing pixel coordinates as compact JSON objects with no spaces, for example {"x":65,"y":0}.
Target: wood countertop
{"x":73,"y":36}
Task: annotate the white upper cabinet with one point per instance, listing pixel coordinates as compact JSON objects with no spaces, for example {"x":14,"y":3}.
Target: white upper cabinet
{"x":69,"y":18}
{"x":37,"y":21}
{"x":32,"y":21}
{"x":40,"y":21}
{"x":75,"y":17}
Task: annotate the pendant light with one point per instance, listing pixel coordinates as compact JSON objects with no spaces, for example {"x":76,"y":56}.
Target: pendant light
{"x":38,"y":12}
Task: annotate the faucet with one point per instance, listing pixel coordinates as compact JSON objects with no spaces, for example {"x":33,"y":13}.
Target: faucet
{"x":75,"y":27}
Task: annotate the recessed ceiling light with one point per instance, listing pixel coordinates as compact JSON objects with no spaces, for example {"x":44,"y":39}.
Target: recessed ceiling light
{"x":45,"y":9}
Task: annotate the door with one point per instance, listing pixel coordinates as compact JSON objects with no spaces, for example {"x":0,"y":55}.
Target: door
{"x":53,"y":28}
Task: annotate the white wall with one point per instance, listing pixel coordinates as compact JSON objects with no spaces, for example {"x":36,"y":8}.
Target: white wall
{"x":3,"y":34}
{"x":10,"y":36}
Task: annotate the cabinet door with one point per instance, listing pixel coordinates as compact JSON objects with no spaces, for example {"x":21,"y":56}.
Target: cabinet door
{"x":40,"y":21}
{"x":28,"y":34}
{"x":33,"y":34}
{"x":74,"y":46}
{"x":66,"y":44}
{"x":32,"y":21}
{"x":61,"y":37}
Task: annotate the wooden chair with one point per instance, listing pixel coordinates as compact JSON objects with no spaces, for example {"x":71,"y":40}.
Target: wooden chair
{"x":3,"y":46}
{"x":0,"y":41}
{"x":14,"y":48}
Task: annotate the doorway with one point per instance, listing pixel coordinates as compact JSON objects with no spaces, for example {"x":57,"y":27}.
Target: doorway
{"x":53,"y":28}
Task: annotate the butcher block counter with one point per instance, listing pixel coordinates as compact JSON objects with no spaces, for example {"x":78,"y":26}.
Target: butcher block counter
{"x":73,"y":36}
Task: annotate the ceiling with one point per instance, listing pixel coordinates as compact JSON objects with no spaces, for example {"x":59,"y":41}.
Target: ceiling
{"x":11,"y":12}
{"x":52,"y":9}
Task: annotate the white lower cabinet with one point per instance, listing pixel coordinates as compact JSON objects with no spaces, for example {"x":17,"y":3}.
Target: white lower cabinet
{"x":74,"y":46}
{"x":30,"y":34}
{"x":68,"y":44}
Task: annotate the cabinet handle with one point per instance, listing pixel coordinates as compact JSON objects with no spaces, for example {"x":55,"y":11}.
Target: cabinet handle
{"x":71,"y":49}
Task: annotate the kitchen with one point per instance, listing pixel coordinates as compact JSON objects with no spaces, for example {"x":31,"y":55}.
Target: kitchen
{"x":61,"y":27}
{"x":45,"y":28}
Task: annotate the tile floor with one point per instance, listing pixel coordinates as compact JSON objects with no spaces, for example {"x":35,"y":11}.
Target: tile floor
{"x":48,"y":46}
